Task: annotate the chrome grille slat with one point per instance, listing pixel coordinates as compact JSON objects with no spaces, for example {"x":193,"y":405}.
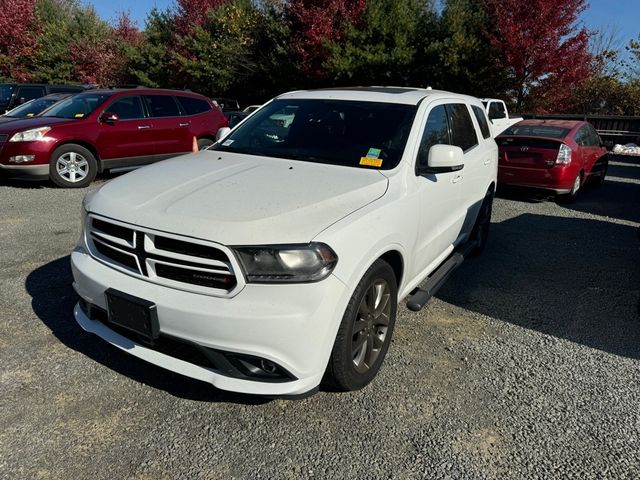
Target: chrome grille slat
{"x":209,"y":270}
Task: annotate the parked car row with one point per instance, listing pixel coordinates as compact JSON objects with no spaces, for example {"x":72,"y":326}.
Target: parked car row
{"x":15,"y":94}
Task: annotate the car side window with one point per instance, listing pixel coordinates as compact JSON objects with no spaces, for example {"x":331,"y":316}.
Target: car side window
{"x":582,"y":136}
{"x":162,"y":106}
{"x":482,"y":121}
{"x":596,"y":141}
{"x":128,"y":108}
{"x":193,"y":106}
{"x":496,"y":111}
{"x":436,"y":132}
{"x":463,"y":132}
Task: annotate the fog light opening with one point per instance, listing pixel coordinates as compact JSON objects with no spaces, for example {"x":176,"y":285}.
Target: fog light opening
{"x":268,"y":366}
{"x":22,"y":158}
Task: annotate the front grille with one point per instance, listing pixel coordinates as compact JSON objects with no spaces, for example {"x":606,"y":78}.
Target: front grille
{"x":160,"y":258}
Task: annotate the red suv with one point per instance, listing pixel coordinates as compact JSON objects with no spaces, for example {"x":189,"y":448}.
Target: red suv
{"x":555,"y":155}
{"x":106,"y":129}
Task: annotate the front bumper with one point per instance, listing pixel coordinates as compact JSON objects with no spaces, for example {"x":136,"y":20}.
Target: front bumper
{"x":38,"y":168}
{"x":293,"y":326}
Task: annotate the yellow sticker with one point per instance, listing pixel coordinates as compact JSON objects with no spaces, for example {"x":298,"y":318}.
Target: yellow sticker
{"x":371,"y":162}
{"x":79,"y":115}
{"x":29,"y":115}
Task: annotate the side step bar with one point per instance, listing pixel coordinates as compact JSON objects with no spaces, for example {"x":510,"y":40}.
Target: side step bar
{"x":420,"y":296}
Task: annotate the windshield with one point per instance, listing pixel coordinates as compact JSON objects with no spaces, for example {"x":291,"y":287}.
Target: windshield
{"x":78,"y":106}
{"x":338,"y":132}
{"x":5,"y":92}
{"x":31,"y":108}
{"x":548,"y":131}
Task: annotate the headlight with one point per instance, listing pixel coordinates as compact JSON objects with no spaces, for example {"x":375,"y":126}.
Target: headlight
{"x":33,"y":135}
{"x":287,"y":263}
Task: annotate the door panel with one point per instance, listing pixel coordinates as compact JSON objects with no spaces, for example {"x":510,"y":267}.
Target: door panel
{"x":440,"y":213}
{"x":128,"y":137}
{"x":171,"y":132}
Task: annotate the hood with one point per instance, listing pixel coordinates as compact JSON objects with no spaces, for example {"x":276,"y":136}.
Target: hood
{"x":4,"y":119}
{"x":21,"y":124}
{"x":237,"y":199}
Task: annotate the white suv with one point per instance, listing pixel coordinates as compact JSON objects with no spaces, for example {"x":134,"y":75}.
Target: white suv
{"x":278,"y":256}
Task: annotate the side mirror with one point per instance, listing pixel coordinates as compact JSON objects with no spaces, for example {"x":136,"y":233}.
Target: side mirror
{"x":222,"y":132}
{"x":109,"y":117}
{"x":442,"y":159}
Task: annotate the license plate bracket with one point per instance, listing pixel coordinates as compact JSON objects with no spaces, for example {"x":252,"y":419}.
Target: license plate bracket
{"x":135,"y":314}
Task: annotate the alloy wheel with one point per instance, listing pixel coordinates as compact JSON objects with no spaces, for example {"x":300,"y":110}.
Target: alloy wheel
{"x":370,"y":326}
{"x":72,"y":167}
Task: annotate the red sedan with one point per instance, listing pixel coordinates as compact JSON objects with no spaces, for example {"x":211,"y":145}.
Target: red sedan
{"x":555,"y":155}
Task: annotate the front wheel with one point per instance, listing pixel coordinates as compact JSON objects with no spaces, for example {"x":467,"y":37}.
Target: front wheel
{"x":365,"y":331}
{"x":72,"y":166}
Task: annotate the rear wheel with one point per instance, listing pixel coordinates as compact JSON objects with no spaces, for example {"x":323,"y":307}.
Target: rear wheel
{"x":72,"y":166}
{"x":573,"y":193}
{"x":365,"y":331}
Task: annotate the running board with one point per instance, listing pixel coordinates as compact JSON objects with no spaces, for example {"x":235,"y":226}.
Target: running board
{"x":420,"y":296}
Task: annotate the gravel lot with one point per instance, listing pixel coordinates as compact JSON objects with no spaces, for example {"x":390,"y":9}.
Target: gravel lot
{"x":526,"y":365}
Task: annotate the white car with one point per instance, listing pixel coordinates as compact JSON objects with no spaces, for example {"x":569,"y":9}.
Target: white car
{"x":278,"y":256}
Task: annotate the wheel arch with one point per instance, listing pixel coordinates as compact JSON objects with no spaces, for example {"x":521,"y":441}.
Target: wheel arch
{"x":395,"y":260}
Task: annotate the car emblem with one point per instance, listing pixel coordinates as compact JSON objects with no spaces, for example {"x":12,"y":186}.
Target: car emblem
{"x":524,"y":149}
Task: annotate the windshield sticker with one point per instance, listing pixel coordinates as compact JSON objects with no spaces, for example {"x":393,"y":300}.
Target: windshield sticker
{"x":226,"y":143}
{"x":374,"y":153}
{"x":79,"y":115}
{"x":371,"y":162}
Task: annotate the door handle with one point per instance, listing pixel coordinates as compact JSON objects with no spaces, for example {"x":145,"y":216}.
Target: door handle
{"x":143,"y":127}
{"x":487,"y":161}
{"x":456,"y":179}
{"x":185,"y":124}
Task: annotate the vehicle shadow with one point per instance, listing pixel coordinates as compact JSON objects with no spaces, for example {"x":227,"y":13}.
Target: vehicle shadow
{"x":618,"y":197}
{"x":53,"y":299}
{"x":575,"y":279}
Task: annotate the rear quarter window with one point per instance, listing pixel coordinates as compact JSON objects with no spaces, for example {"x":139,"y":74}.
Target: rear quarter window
{"x":193,"y":106}
{"x":482,"y":121}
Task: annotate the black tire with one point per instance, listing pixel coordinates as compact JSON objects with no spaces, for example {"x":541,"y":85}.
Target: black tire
{"x":204,"y":143}
{"x":480,"y":232}
{"x":77,"y":175}
{"x":342,"y":371}
{"x":598,"y":179}
{"x":573,"y":194}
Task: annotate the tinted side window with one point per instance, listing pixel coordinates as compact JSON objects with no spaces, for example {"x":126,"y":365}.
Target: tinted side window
{"x":193,"y":106}
{"x":128,"y":108}
{"x":162,"y":106}
{"x":29,"y":93}
{"x":482,"y":121}
{"x":594,"y":137}
{"x":582,"y":136}
{"x":463,"y":133}
{"x":436,"y":132}
{"x":496,"y":110}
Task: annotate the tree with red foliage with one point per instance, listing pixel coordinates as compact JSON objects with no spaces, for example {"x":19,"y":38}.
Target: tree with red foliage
{"x":541,"y":48}
{"x":193,"y":13}
{"x":17,"y":37}
{"x":317,"y":22}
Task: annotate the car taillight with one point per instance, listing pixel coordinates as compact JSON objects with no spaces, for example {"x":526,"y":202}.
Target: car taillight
{"x":564,"y":155}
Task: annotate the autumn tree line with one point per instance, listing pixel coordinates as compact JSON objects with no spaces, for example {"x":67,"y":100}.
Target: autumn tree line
{"x":535,"y":54}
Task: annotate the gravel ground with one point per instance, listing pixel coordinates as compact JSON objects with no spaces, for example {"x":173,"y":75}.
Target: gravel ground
{"x":526,"y":365}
